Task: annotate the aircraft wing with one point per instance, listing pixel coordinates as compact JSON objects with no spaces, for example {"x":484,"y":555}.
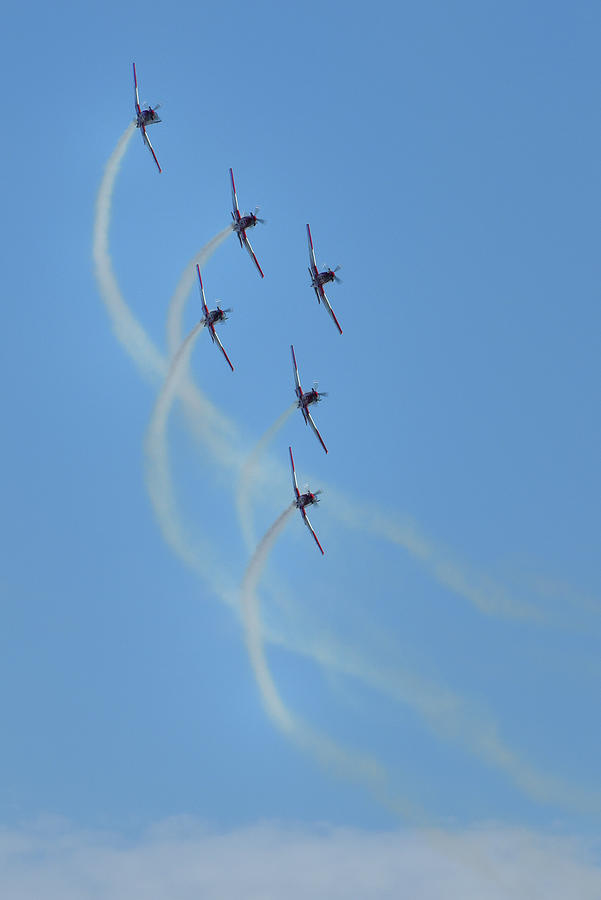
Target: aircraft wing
{"x":294,"y":482}
{"x":234,"y":197}
{"x":149,"y":145}
{"x":205,"y":308}
{"x":299,"y":390}
{"x":317,"y":288}
{"x":314,"y":427}
{"x":136,"y":97}
{"x":310,"y":527}
{"x":215,"y":337}
{"x":246,"y":243}
{"x":326,"y":303}
{"x":311,"y":251}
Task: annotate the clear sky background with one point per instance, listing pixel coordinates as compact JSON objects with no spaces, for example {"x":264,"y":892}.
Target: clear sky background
{"x":447,"y":156}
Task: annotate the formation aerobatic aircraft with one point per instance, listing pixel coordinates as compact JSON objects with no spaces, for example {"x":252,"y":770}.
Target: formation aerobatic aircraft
{"x":305,"y":398}
{"x":318,"y":279}
{"x":144,"y":118}
{"x":303,"y":500}
{"x":241,"y":223}
{"x":211,"y":317}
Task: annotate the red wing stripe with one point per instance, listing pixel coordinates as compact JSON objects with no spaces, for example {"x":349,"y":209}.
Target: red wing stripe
{"x":310,"y":527}
{"x":136,"y":98}
{"x":317,"y":434}
{"x":294,"y":484}
{"x":326,"y":303}
{"x":234,"y":196}
{"x":149,"y":145}
{"x":202,"y":293}
{"x":155,"y":158}
{"x":299,"y":390}
{"x":311,"y":251}
{"x":252,"y":253}
{"x":335,"y":320}
{"x":223,"y":350}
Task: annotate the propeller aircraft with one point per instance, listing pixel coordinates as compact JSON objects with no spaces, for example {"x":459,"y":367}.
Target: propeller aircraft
{"x":306,"y":398}
{"x":144,"y":118}
{"x":303,"y":500}
{"x":211,"y":317}
{"x":241,"y":223}
{"x":318,"y":279}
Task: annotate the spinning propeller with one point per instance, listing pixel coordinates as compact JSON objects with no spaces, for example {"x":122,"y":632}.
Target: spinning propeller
{"x":307,"y":490}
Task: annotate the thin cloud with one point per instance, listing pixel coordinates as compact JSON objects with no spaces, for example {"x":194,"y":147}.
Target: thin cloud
{"x":182,"y":859}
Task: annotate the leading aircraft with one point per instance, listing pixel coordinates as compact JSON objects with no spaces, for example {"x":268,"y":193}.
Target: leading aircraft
{"x":318,"y":279}
{"x":305,"y":398}
{"x":211,"y":317}
{"x":145,"y":117}
{"x":303,"y":500}
{"x":241,"y":223}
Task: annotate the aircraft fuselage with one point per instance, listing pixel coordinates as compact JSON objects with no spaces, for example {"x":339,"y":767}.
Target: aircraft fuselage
{"x":307,"y":398}
{"x":306,"y":500}
{"x":245,"y":222}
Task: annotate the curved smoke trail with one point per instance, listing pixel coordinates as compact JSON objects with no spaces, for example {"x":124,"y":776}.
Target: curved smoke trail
{"x":184,"y":286}
{"x":201,"y":557}
{"x":247,"y":473}
{"x":220,"y":436}
{"x":274,"y":705}
{"x":210,"y":427}
{"x":128,"y":330}
{"x":354,"y":766}
{"x":481,"y":592}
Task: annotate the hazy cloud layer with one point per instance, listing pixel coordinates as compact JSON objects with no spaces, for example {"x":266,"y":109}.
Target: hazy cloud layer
{"x":182,"y":860}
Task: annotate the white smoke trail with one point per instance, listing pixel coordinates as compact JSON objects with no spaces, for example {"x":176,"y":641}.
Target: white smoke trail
{"x":352,"y":765}
{"x":210,"y":427}
{"x":220,"y":436}
{"x":159,"y":483}
{"x":246,"y":475}
{"x":481,"y":592}
{"x":448,"y":715}
{"x":274,"y":705}
{"x":128,"y":330}
{"x":184,"y":286}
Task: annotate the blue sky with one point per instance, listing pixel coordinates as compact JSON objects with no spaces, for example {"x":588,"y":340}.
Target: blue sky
{"x":447,"y":157}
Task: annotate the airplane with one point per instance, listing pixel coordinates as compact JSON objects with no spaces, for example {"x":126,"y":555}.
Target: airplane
{"x":305,"y":398}
{"x":318,"y":279}
{"x":145,"y":117}
{"x":303,"y":500}
{"x":241,"y":223}
{"x":211,"y":317}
